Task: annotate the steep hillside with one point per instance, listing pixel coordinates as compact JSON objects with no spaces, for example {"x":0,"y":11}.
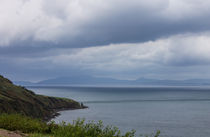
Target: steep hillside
{"x":17,"y":99}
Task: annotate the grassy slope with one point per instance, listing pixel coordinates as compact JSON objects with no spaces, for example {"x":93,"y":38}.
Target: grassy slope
{"x":17,"y":99}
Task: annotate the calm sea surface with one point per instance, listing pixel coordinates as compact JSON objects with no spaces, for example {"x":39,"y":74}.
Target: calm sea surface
{"x":175,"y":111}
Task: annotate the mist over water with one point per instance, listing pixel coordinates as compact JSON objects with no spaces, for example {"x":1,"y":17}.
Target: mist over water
{"x":175,"y":111}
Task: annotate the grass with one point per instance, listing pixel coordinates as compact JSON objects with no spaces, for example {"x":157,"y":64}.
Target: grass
{"x":79,"y":128}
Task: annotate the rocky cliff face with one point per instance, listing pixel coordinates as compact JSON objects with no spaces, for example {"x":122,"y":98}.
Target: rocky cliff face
{"x":17,"y":99}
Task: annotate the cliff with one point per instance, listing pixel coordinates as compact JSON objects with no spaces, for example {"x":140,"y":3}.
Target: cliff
{"x":18,"y":99}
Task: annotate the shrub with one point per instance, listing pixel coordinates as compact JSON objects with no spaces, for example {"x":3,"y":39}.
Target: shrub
{"x":81,"y":129}
{"x":22,"y":123}
{"x":38,"y":128}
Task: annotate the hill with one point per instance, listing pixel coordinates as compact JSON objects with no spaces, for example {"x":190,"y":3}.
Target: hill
{"x":18,"y":99}
{"x":100,"y":81}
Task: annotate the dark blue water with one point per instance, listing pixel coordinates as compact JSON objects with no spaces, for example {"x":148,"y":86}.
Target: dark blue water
{"x":176,"y":112}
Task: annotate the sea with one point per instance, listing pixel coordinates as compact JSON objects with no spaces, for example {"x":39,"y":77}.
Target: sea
{"x":175,"y":111}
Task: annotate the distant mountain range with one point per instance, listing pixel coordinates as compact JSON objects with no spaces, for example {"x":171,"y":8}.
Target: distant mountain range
{"x":98,"y":81}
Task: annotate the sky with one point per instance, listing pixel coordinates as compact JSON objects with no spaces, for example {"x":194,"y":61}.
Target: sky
{"x":121,"y":39}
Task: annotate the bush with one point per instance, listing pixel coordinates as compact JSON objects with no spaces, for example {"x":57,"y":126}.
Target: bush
{"x":81,"y":129}
{"x":38,"y":128}
{"x":22,"y":123}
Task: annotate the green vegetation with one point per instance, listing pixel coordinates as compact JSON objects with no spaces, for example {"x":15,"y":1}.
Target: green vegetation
{"x":18,"y":99}
{"x":20,"y":108}
{"x":36,"y":128}
{"x":22,"y":123}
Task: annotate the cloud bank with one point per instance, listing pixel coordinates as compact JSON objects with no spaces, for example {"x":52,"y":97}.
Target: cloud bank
{"x":79,"y":23}
{"x":164,"y":39}
{"x":177,"y":57}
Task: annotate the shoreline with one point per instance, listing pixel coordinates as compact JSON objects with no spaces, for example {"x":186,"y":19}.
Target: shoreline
{"x":56,"y":112}
{"x":18,"y":99}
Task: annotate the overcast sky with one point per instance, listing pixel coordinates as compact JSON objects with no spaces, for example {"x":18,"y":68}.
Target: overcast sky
{"x":123,"y":39}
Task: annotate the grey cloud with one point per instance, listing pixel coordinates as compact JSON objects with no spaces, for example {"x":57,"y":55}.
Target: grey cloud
{"x":49,"y":38}
{"x":176,"y":51}
{"x":183,"y":55}
{"x":79,"y":24}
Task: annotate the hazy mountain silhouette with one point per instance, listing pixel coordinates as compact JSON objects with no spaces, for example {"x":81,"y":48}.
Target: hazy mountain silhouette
{"x":89,"y":80}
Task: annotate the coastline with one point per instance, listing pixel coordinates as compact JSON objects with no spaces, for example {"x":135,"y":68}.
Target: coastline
{"x":20,"y":100}
{"x":56,"y":112}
